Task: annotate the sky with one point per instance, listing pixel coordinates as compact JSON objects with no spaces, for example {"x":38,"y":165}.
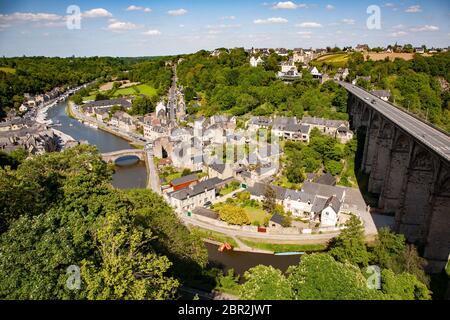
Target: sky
{"x":156,"y":27}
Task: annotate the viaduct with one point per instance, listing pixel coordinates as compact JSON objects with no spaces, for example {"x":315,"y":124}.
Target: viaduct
{"x":408,"y":163}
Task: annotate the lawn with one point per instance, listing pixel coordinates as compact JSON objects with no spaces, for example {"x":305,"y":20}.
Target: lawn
{"x":8,"y":70}
{"x":256,"y":214}
{"x":144,"y":89}
{"x":135,"y":90}
{"x":214,"y":236}
{"x":276,"y":247}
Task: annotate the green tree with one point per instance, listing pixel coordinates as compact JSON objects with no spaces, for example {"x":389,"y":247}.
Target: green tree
{"x":125,"y":270}
{"x":320,"y":277}
{"x":265,"y":283}
{"x":269,"y":201}
{"x":404,"y":286}
{"x":349,"y":245}
{"x":233,"y":214}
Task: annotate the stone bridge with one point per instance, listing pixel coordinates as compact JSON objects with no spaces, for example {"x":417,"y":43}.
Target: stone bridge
{"x":408,"y":163}
{"x":113,"y":156}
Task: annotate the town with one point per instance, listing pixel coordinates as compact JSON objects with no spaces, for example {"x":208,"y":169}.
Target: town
{"x":218,"y":151}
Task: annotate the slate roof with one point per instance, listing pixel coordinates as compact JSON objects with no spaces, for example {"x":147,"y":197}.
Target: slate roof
{"x":277,"y":218}
{"x":103,"y":103}
{"x":199,"y":188}
{"x":326,"y":179}
{"x":324,"y":122}
{"x":181,"y":180}
{"x":323,"y":190}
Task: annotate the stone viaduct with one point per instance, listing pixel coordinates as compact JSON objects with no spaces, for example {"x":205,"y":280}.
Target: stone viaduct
{"x":408,"y":163}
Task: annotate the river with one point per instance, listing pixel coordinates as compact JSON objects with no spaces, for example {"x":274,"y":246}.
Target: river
{"x":131,"y":174}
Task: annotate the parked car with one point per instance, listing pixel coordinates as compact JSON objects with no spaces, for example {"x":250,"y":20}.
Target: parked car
{"x":207,"y":204}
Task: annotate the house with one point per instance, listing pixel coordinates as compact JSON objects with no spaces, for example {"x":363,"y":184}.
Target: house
{"x":419,"y":50}
{"x":327,"y":211}
{"x":341,"y":74}
{"x":254,"y":62}
{"x":288,"y":70}
{"x":314,"y":72}
{"x":315,"y":202}
{"x":221,"y":171}
{"x":196,"y":195}
{"x":153,"y":132}
{"x":276,"y":221}
{"x":184,"y":182}
{"x":367,"y":78}
{"x":280,"y":124}
{"x":382,"y":94}
{"x":102,"y":115}
{"x":298,"y":132}
{"x":336,"y":128}
{"x":104,"y":104}
{"x":326,"y":179}
{"x":256,"y":123}
{"x":362,"y":47}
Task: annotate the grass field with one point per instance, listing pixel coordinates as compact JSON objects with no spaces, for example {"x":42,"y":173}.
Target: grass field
{"x":135,"y":90}
{"x":256,"y":214}
{"x":276,"y":247}
{"x":144,"y":89}
{"x":335,"y":59}
{"x":8,"y":70}
{"x":214,"y":236}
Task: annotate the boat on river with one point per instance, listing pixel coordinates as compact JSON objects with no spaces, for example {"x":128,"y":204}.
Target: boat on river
{"x":291,"y":253}
{"x":225,"y":247}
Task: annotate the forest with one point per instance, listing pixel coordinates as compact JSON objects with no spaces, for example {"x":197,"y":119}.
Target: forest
{"x":228,"y":84}
{"x":420,"y":85}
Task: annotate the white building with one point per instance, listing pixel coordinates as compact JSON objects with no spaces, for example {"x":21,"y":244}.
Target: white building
{"x":254,"y":62}
{"x":197,"y":195}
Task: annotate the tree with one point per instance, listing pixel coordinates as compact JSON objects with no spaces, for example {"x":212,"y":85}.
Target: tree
{"x":71,"y":215}
{"x":265,"y":283}
{"x":404,"y":286}
{"x":320,"y":277}
{"x":349,"y":245}
{"x":233,"y":214}
{"x":269,"y":200}
{"x":125,"y":270}
{"x":143,"y":105}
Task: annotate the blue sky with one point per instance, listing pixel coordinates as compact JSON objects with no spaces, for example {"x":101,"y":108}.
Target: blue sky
{"x":146,"y":28}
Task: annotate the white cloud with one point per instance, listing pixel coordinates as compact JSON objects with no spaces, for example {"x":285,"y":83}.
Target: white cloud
{"x":398,"y":34}
{"x":304,"y":33}
{"x":329,"y":7}
{"x":288,"y":5}
{"x":389,"y":5}
{"x":270,"y":21}
{"x":223,"y":26}
{"x":348,"y":21}
{"x":153,"y":32}
{"x":228,"y":18}
{"x":309,"y":25}
{"x":181,"y":26}
{"x":96,"y":13}
{"x":28,"y":17}
{"x":398,"y":26}
{"x":138,"y":8}
{"x":119,"y":26}
{"x":425,"y":28}
{"x":178,"y":12}
{"x":413,"y":9}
